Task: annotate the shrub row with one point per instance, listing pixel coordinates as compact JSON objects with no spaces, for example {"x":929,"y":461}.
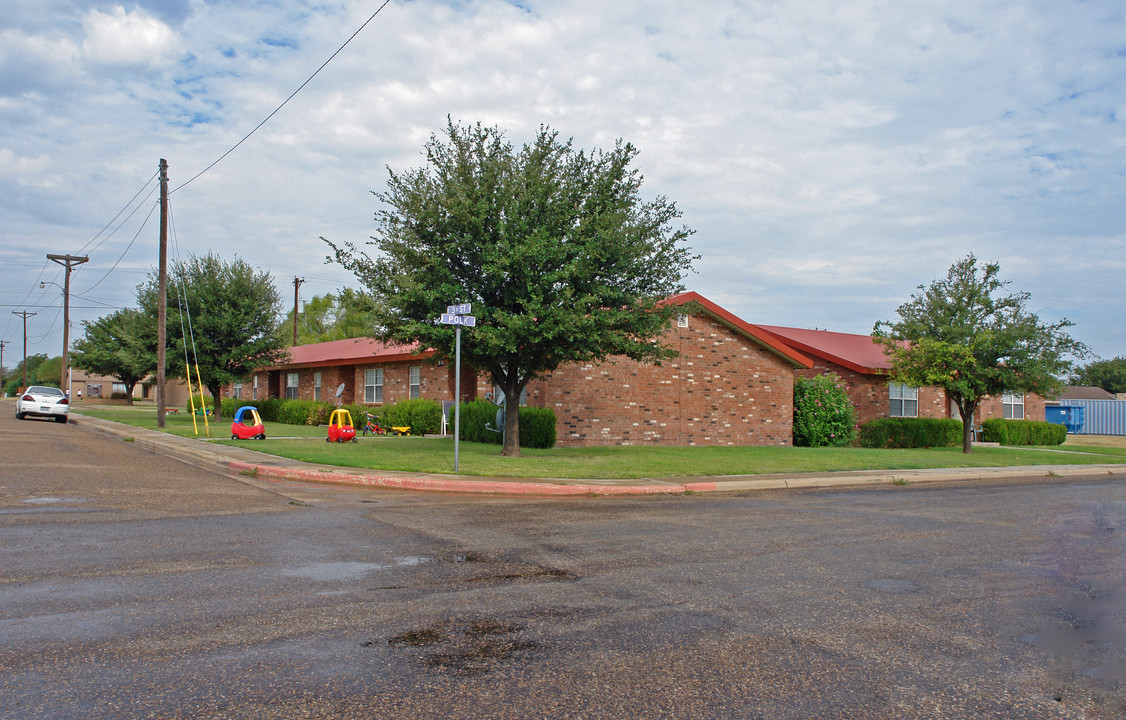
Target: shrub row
{"x":823,"y":414}
{"x":537,"y":425}
{"x":1022,"y":432}
{"x":911,"y":433}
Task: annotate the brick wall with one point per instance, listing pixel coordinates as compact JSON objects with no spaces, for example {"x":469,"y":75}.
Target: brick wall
{"x":723,"y":389}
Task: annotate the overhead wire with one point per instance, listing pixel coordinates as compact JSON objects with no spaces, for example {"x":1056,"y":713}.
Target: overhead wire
{"x":286,"y":101}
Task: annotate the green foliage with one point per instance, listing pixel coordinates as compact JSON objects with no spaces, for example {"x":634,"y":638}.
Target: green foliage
{"x":559,"y":255}
{"x":48,"y":373}
{"x":424,"y":417}
{"x":33,"y":363}
{"x":1110,"y":375}
{"x":823,"y":414}
{"x":234,"y":312}
{"x":1022,"y":432}
{"x":961,"y":335}
{"x":911,"y":433}
{"x":537,"y":425}
{"x":349,"y":314}
{"x":117,"y":345}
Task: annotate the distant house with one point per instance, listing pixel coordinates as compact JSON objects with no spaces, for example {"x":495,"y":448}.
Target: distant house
{"x":1085,"y":392}
{"x":863,"y":366}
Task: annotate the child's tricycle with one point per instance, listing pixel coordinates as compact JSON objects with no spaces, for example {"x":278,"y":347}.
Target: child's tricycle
{"x":247,"y":424}
{"x":372,"y":426}
{"x":340,"y":427}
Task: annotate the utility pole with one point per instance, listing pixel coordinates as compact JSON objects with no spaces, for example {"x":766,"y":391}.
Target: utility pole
{"x":296,"y":284}
{"x":67,"y":261}
{"x":162,"y":294}
{"x":25,"y":315}
{"x":3,"y":344}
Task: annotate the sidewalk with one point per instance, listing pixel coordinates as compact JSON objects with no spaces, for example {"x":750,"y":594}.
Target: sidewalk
{"x":246,"y":462}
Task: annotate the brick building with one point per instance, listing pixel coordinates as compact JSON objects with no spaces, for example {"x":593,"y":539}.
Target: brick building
{"x":731,"y":384}
{"x":862,"y":364}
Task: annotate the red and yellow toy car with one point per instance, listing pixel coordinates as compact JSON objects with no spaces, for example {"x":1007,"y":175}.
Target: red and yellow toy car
{"x":247,"y":424}
{"x":340,"y":427}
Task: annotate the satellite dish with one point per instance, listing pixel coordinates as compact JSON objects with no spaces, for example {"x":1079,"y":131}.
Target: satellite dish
{"x":340,"y":390}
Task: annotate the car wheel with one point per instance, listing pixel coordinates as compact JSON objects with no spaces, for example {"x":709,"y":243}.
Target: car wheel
{"x":234,"y":437}
{"x":60,"y":418}
{"x":355,"y":440}
{"x":328,"y":439}
{"x":19,"y":416}
{"x":262,"y":436}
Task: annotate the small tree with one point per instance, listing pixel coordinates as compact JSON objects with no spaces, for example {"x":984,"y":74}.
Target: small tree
{"x":559,"y":255}
{"x":116,"y":345}
{"x":823,"y":414}
{"x":1110,"y":375}
{"x":349,"y":314}
{"x":961,"y":335}
{"x":233,"y":320}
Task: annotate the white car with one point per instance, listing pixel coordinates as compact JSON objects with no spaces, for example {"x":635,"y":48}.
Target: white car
{"x":44,"y":401}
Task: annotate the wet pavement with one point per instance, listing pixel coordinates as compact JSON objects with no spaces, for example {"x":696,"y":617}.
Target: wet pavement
{"x":133,"y":585}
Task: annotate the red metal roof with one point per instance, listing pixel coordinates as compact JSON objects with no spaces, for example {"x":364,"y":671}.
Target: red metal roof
{"x":855,"y":352}
{"x":349,"y":352}
{"x":757,"y":333}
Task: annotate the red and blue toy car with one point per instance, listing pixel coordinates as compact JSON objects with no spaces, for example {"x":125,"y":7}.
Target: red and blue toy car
{"x":247,"y":424}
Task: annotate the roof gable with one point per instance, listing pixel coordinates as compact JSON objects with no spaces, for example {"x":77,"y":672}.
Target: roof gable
{"x":755,"y":333}
{"x":353,"y":351}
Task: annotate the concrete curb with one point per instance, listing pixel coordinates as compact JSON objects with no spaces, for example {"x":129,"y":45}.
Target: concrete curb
{"x":249,"y":463}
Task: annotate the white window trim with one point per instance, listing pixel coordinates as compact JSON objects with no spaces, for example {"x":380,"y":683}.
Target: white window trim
{"x":414,"y":380}
{"x":1009,"y":403}
{"x":316,"y":386}
{"x":292,"y":380}
{"x":902,"y":394}
{"x":373,"y":391}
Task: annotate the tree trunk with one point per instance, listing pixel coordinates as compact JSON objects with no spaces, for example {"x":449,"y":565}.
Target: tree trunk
{"x":967,"y":409}
{"x":511,"y":420}
{"x":215,"y":395}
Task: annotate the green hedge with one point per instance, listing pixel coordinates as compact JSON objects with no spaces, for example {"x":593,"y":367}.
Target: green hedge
{"x":911,"y":433}
{"x":1022,"y":432}
{"x":424,"y":417}
{"x":537,"y":425}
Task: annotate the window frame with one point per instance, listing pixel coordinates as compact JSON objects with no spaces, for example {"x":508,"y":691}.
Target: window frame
{"x":375,"y":396}
{"x":414,"y":382}
{"x":1009,"y":404}
{"x":897,"y":394}
{"x":317,"y":386}
{"x":292,"y":382}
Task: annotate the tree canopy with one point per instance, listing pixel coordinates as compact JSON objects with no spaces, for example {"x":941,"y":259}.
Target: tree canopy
{"x":561,"y":258}
{"x":962,"y":335}
{"x":348,"y":314}
{"x":117,"y":345}
{"x":1110,"y":375}
{"x":227,"y":313}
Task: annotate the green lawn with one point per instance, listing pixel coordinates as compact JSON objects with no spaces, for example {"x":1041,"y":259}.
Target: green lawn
{"x":435,"y":455}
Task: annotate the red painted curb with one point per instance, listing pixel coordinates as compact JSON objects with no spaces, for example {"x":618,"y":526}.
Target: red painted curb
{"x":459,"y":486}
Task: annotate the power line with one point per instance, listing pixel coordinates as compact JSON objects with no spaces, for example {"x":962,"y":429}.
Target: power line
{"x":284,"y":102}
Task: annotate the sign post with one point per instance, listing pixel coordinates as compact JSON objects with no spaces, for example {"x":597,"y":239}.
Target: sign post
{"x":458,"y":315}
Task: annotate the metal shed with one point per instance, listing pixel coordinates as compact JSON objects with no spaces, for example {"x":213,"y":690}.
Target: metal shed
{"x":1100,"y":417}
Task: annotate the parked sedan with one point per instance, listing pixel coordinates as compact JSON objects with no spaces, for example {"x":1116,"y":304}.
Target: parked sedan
{"x":44,"y":401}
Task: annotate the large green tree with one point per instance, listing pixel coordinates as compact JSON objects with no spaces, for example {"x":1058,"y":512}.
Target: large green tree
{"x":347,"y":314}
{"x":222,"y":316}
{"x":561,"y":258}
{"x":117,"y":345}
{"x":961,"y":334}
{"x":1110,"y":375}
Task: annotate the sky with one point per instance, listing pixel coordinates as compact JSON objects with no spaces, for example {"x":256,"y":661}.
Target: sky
{"x":830,"y":157}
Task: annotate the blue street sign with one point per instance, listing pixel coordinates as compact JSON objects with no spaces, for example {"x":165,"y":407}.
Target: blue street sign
{"x":463,"y":309}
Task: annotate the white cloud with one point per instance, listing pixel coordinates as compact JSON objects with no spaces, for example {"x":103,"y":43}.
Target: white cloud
{"x":127,"y":38}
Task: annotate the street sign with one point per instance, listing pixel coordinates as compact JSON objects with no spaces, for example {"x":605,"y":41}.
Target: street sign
{"x":462,"y":309}
{"x":466,"y":320}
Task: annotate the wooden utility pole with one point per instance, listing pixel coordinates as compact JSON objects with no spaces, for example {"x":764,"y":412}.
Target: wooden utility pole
{"x":67,"y":261}
{"x":3,"y":344}
{"x":162,"y":294}
{"x":296,"y":284}
{"x":25,"y":315}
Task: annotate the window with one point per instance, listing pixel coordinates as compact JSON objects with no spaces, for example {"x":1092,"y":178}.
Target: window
{"x":415,"y":381}
{"x":236,"y":391}
{"x":904,"y":400}
{"x":373,"y":385}
{"x":255,"y":395}
{"x":316,"y":386}
{"x":682,"y":320}
{"x":291,"y":386}
{"x":1013,"y":406}
{"x":119,"y":389}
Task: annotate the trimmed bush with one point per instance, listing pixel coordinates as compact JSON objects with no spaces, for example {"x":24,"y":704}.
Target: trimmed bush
{"x":823,"y":414}
{"x":911,"y":433}
{"x":423,"y":416}
{"x":537,"y":425}
{"x":1022,"y":432}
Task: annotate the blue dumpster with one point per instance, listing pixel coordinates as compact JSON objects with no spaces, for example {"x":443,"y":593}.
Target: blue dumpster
{"x":1069,"y":416}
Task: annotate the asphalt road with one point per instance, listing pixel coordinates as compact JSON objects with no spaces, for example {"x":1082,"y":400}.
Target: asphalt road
{"x":134,"y":586}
